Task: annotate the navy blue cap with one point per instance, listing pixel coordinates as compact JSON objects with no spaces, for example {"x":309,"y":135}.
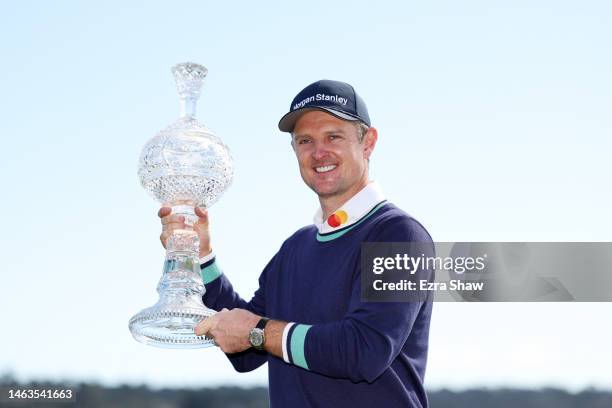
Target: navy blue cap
{"x":334,"y":97}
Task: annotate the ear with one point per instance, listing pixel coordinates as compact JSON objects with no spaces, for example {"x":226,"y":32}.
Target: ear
{"x":369,"y":142}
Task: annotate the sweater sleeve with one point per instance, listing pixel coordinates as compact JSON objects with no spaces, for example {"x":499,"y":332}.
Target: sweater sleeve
{"x":362,"y":345}
{"x":220,"y":294}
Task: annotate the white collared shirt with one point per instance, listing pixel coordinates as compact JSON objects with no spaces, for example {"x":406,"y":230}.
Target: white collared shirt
{"x":351,"y":211}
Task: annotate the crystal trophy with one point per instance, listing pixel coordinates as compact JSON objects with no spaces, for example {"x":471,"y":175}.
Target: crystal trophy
{"x":183,"y":166}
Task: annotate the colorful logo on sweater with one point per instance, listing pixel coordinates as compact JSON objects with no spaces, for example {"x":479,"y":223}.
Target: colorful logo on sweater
{"x":337,"y":219}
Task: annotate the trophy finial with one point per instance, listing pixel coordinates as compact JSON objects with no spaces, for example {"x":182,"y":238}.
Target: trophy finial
{"x":189,"y":77}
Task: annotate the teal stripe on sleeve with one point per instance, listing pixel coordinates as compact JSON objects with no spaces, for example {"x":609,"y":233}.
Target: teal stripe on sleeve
{"x":298,"y":337}
{"x":210,"y":273}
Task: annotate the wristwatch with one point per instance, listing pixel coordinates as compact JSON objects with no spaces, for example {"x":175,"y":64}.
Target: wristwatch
{"x":257,"y":336}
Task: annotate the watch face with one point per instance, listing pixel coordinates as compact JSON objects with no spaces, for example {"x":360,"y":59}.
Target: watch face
{"x":256,"y":337}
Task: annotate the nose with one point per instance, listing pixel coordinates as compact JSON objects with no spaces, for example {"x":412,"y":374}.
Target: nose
{"x":320,"y":151}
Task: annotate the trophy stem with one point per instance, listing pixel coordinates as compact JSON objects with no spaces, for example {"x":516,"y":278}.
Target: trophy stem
{"x":188,"y":107}
{"x":170,"y":322}
{"x":185,"y":239}
{"x":182,"y":266}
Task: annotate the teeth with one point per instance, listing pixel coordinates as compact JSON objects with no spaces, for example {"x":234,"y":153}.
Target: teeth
{"x":325,"y":168}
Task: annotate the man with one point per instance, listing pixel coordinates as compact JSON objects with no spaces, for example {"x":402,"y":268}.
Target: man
{"x":324,"y":346}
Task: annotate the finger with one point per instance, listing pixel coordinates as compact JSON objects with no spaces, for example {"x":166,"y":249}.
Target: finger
{"x":175,"y":218}
{"x":202,"y":220}
{"x":166,"y":234}
{"x":164,"y":211}
{"x":200,"y":228}
{"x":206,"y":325}
{"x":173,"y":226}
{"x":201,"y":225}
{"x":202,"y":328}
{"x":169,"y":229}
{"x":201,"y":213}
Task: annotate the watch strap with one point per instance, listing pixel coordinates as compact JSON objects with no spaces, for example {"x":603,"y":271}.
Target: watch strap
{"x":261,"y":324}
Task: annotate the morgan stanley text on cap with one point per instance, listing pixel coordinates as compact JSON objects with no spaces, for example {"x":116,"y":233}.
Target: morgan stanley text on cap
{"x":335,"y":97}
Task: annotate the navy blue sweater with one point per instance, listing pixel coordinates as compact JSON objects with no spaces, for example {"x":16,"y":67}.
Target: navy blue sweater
{"x":342,"y":351}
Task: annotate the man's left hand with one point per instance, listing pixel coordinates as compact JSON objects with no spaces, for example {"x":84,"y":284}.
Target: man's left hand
{"x":229,"y":328}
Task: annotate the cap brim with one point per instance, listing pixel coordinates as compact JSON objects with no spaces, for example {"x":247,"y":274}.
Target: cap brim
{"x":287,"y":122}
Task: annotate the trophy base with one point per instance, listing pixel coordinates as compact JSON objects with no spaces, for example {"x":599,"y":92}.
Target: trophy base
{"x":170,"y":328}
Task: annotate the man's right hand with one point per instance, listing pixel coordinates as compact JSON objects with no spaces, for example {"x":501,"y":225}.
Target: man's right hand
{"x":171,"y":222}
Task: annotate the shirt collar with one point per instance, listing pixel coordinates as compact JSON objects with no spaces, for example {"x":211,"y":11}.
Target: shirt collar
{"x":352,"y":211}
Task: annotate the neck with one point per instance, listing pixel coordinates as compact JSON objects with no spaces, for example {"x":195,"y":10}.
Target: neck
{"x":329,"y":204}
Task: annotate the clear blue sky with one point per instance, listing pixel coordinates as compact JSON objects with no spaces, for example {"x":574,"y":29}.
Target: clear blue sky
{"x":494,"y":120}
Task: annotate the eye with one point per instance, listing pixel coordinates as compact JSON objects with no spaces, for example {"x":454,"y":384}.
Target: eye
{"x":335,"y":137}
{"x":303,"y":141}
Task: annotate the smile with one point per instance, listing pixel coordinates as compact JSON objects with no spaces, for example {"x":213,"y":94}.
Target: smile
{"x":325,"y":169}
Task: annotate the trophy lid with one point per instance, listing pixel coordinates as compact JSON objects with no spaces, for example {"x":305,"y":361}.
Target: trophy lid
{"x":189,"y":78}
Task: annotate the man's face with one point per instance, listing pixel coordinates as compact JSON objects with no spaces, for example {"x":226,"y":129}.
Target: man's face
{"x":332,"y":160}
